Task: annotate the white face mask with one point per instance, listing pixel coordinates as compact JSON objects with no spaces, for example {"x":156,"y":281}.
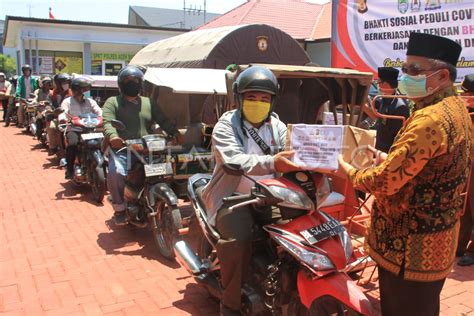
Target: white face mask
{"x":65,"y":86}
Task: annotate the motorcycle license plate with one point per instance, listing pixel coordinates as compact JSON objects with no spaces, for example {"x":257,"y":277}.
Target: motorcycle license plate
{"x":323,"y":231}
{"x":90,"y":136}
{"x":158,"y":169}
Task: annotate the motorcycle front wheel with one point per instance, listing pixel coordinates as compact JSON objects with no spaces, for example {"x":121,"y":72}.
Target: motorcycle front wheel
{"x":166,"y":230}
{"x":98,"y":184}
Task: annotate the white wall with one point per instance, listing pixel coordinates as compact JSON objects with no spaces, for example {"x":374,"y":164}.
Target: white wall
{"x":73,"y":38}
{"x":93,"y":34}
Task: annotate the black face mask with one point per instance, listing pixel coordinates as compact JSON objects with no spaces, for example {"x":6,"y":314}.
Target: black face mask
{"x":131,"y":88}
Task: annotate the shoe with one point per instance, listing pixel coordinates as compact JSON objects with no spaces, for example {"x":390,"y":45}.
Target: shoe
{"x":6,"y":124}
{"x":226,"y":311}
{"x":120,"y":218}
{"x":68,"y":175}
{"x":52,"y":151}
{"x":466,"y":260}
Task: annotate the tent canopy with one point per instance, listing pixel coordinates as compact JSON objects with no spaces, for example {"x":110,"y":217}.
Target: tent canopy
{"x":190,"y":81}
{"x":100,"y":81}
{"x":219,"y":47}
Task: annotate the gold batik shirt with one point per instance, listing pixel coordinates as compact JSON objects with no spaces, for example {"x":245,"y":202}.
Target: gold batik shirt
{"x":417,"y":189}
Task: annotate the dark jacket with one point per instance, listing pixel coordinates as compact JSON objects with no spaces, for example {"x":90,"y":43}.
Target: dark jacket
{"x":387,"y":129}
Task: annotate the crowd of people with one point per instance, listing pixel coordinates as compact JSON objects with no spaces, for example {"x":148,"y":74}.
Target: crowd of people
{"x":421,"y":167}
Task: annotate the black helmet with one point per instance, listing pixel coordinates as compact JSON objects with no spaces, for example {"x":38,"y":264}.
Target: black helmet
{"x":80,"y":83}
{"x":128,"y":71}
{"x":256,"y":78}
{"x":62,"y":78}
{"x":25,"y":67}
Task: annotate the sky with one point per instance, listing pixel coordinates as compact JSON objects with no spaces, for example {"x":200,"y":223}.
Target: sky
{"x":112,"y":11}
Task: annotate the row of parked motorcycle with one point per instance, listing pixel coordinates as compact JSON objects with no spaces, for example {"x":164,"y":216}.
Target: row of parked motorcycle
{"x":150,"y":190}
{"x":299,"y":264}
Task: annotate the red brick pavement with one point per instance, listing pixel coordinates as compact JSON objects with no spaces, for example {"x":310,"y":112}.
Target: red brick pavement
{"x":60,"y":256}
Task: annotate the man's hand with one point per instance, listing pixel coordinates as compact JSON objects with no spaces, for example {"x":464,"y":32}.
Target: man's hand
{"x":117,"y":143}
{"x":344,"y":166}
{"x":283,"y":163}
{"x":380,"y":156}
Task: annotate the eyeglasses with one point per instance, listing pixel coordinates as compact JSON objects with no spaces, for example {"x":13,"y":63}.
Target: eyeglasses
{"x":414,"y":69}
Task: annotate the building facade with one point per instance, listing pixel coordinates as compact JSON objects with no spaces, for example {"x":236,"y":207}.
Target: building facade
{"x":55,"y":46}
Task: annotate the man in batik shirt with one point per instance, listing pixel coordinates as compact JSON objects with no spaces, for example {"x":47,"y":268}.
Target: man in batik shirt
{"x":417,"y":187}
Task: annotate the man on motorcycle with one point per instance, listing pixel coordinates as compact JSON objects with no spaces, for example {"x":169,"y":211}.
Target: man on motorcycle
{"x":11,"y":100}
{"x":251,"y":137}
{"x":4,"y":97}
{"x":26,"y":85}
{"x":61,"y":89}
{"x":43,"y":94}
{"x":60,"y":92}
{"x":74,"y":106}
{"x":138,"y":113}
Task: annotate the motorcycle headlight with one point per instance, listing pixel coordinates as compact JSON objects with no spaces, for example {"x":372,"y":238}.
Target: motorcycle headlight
{"x":292,"y":199}
{"x":313,"y":260}
{"x":91,"y":123}
{"x":346,"y":243}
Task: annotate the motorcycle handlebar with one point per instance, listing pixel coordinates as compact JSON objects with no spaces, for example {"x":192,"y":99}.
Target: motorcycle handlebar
{"x":237,"y":198}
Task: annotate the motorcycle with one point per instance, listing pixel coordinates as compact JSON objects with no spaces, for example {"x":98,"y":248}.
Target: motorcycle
{"x":148,"y":195}
{"x":298,"y":264}
{"x":38,"y":125}
{"x":30,"y":115}
{"x":89,"y":166}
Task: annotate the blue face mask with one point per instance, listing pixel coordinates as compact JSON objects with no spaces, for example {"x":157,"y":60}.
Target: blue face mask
{"x":415,"y":86}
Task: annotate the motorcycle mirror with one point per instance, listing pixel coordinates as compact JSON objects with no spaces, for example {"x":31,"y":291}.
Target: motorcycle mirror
{"x":233,"y":169}
{"x":118,"y":125}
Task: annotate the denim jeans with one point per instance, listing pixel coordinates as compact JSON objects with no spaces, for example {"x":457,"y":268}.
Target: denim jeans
{"x":118,"y":169}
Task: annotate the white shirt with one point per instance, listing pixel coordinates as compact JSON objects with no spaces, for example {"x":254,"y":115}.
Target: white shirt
{"x":265,"y":132}
{"x":74,"y":108}
{"x":5,"y":87}
{"x":28,"y":87}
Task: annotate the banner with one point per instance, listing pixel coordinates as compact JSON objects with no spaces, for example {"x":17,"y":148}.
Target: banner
{"x":68,"y":64}
{"x":46,"y":64}
{"x":367,"y":34}
{"x":113,"y":56}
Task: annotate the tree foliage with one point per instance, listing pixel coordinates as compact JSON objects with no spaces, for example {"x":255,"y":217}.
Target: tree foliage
{"x":7,"y":65}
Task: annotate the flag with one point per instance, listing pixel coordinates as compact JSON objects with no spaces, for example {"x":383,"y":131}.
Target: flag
{"x":51,"y":16}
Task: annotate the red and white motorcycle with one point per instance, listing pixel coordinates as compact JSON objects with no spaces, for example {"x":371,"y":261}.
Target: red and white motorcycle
{"x":306,"y":254}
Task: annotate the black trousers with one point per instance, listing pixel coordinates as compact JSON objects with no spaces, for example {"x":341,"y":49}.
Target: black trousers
{"x":71,"y":150}
{"x":467,"y":222}
{"x":408,"y":298}
{"x":5,"y":108}
{"x":234,"y":249}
